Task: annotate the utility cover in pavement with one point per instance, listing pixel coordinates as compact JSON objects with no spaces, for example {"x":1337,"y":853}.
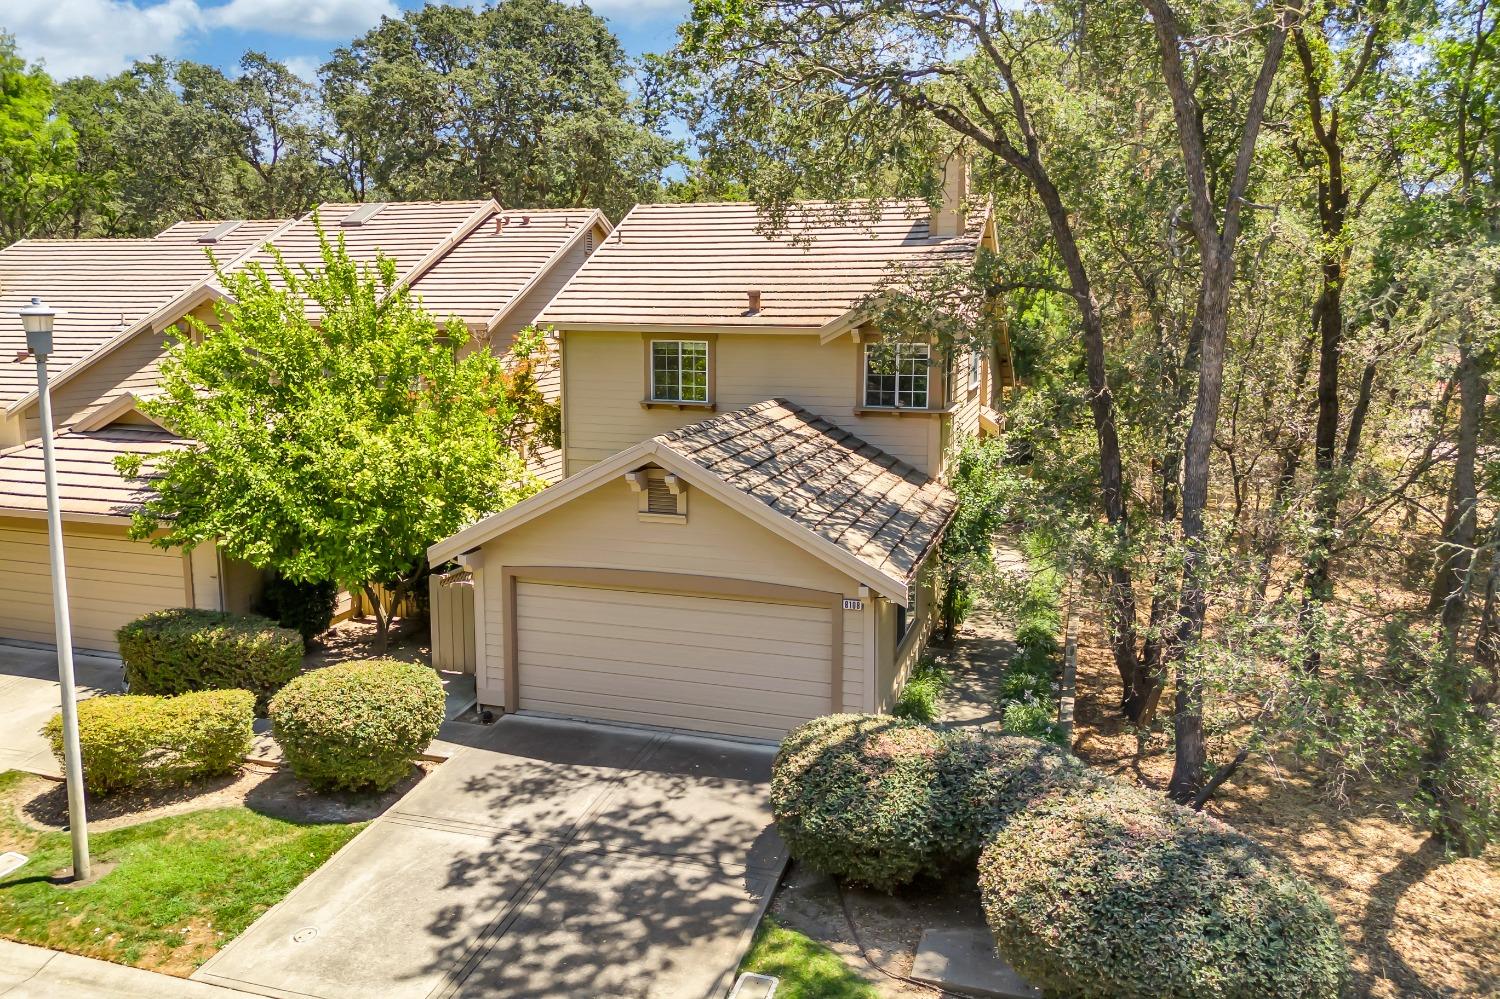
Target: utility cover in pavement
{"x":965,"y":961}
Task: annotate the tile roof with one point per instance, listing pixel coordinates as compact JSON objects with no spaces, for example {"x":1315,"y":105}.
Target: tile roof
{"x":483,"y":275}
{"x":88,"y":483}
{"x":410,"y":233}
{"x":692,"y":265}
{"x":100,"y":287}
{"x":241,"y":234}
{"x":823,"y":478}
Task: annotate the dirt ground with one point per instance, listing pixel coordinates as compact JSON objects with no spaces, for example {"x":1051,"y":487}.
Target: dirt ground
{"x":43,"y":803}
{"x":355,"y":639}
{"x":1417,"y":923}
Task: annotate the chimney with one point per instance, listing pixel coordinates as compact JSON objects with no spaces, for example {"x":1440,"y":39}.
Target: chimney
{"x":753,"y":296}
{"x":947,"y":219}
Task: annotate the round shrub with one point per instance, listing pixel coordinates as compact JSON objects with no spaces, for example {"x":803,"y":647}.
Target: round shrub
{"x":1116,"y":892}
{"x":358,"y":725}
{"x":180,"y":650}
{"x":130,"y":741}
{"x":880,"y":801}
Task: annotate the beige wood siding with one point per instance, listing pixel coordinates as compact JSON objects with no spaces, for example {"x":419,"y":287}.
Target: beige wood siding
{"x":604,"y":383}
{"x":894,"y":659}
{"x":111,"y":580}
{"x":601,"y":529}
{"x":451,"y":622}
{"x":740,"y":667}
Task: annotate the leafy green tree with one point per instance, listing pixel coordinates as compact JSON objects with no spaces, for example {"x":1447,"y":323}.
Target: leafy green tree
{"x":524,"y":101}
{"x":338,"y":448}
{"x":36,"y":149}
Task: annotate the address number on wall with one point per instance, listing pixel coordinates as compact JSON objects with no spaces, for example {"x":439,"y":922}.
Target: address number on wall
{"x":853,"y":604}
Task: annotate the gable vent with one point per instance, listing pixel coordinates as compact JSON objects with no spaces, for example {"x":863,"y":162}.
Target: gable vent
{"x":361,"y":215}
{"x":219,"y":231}
{"x":659,"y":498}
{"x":588,"y":242}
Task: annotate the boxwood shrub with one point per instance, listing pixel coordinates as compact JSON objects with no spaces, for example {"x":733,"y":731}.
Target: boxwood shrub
{"x":1116,"y":892}
{"x":180,"y":650}
{"x":880,"y":801}
{"x":130,"y":741}
{"x":358,"y":725}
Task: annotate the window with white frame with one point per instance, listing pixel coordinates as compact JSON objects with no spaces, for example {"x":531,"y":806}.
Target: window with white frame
{"x":679,"y":371}
{"x":976,"y":357}
{"x":898,"y":376}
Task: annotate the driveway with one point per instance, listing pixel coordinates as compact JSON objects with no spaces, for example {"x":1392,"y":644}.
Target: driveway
{"x":544,"y":859}
{"x":29,"y":695}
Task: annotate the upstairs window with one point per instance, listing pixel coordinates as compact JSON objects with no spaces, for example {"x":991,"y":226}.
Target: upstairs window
{"x":898,"y":376}
{"x":679,"y":371}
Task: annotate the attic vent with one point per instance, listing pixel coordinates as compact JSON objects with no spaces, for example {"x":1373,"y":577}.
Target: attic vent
{"x":361,"y":215}
{"x":219,"y":231}
{"x":588,"y":242}
{"x":659,"y":498}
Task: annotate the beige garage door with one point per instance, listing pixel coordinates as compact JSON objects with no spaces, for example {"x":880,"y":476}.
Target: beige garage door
{"x":111,"y":580}
{"x":737,"y":667}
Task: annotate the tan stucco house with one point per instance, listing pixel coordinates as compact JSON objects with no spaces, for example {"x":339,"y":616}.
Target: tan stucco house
{"x":746,"y":531}
{"x":490,"y":268}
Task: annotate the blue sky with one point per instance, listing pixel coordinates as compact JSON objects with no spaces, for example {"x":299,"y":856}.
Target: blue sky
{"x":99,"y":37}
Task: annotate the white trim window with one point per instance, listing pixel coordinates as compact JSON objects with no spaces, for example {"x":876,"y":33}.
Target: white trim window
{"x":679,"y":370}
{"x":898,"y":376}
{"x":976,"y":358}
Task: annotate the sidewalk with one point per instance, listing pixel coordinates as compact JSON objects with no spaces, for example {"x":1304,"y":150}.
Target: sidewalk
{"x":28,"y":972}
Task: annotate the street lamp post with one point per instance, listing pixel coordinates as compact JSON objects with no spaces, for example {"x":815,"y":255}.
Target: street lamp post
{"x":37,"y":318}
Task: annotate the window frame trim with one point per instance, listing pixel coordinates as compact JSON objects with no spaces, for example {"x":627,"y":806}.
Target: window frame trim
{"x":934,"y":375}
{"x":648,"y":397}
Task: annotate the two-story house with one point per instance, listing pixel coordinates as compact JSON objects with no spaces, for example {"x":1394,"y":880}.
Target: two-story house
{"x":755,"y":489}
{"x":490,"y":268}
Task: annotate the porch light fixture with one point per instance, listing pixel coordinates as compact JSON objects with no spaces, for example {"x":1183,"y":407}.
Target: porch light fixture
{"x":37,"y":320}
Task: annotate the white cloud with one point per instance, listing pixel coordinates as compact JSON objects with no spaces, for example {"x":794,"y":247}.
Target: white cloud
{"x":304,"y":66}
{"x":637,"y":11}
{"x":98,"y":37}
{"x":333,"y":19}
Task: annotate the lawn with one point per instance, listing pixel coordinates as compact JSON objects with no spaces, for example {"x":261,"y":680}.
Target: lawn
{"x":807,"y":969}
{"x":175,"y":890}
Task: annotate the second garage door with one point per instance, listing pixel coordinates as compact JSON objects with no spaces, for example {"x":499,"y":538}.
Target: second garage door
{"x":111,"y":580}
{"x":740,"y":667}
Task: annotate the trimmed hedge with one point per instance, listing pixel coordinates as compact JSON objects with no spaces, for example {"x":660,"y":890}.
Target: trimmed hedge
{"x":358,"y":725}
{"x":880,"y":801}
{"x":181,"y":650}
{"x":130,"y":741}
{"x":1114,"y":892}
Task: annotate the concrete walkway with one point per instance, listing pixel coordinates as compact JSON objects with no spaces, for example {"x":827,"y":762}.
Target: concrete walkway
{"x":980,"y":654}
{"x":29,"y":695}
{"x":544,"y":859}
{"x":33,"y":973}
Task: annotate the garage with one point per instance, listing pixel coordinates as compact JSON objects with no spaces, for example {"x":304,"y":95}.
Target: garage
{"x":692,"y":583}
{"x":111,"y":580}
{"x":674,"y":660}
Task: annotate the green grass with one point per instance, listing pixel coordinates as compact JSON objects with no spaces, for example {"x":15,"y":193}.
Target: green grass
{"x":807,"y":969}
{"x":181,"y":887}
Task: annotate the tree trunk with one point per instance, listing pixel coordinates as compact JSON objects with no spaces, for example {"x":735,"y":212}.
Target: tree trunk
{"x":382,"y":618}
{"x":1192,"y":607}
{"x":1455,"y":585}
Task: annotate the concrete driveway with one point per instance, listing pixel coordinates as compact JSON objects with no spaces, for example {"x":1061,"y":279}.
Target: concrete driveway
{"x":544,"y":859}
{"x":29,"y":696}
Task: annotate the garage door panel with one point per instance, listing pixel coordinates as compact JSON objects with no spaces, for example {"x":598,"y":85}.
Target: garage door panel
{"x":651,"y":711}
{"x":700,"y":656}
{"x":718,"y":664}
{"x":604,"y":610}
{"x":646,"y":681}
{"x":111,"y":580}
{"x":813,"y":639}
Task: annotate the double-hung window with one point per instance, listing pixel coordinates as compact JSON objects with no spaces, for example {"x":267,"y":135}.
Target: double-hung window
{"x":898,"y":376}
{"x":679,"y":371}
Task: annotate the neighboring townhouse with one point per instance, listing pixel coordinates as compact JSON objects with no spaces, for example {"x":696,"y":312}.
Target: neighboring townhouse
{"x":489,"y":268}
{"x":754,"y":495}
